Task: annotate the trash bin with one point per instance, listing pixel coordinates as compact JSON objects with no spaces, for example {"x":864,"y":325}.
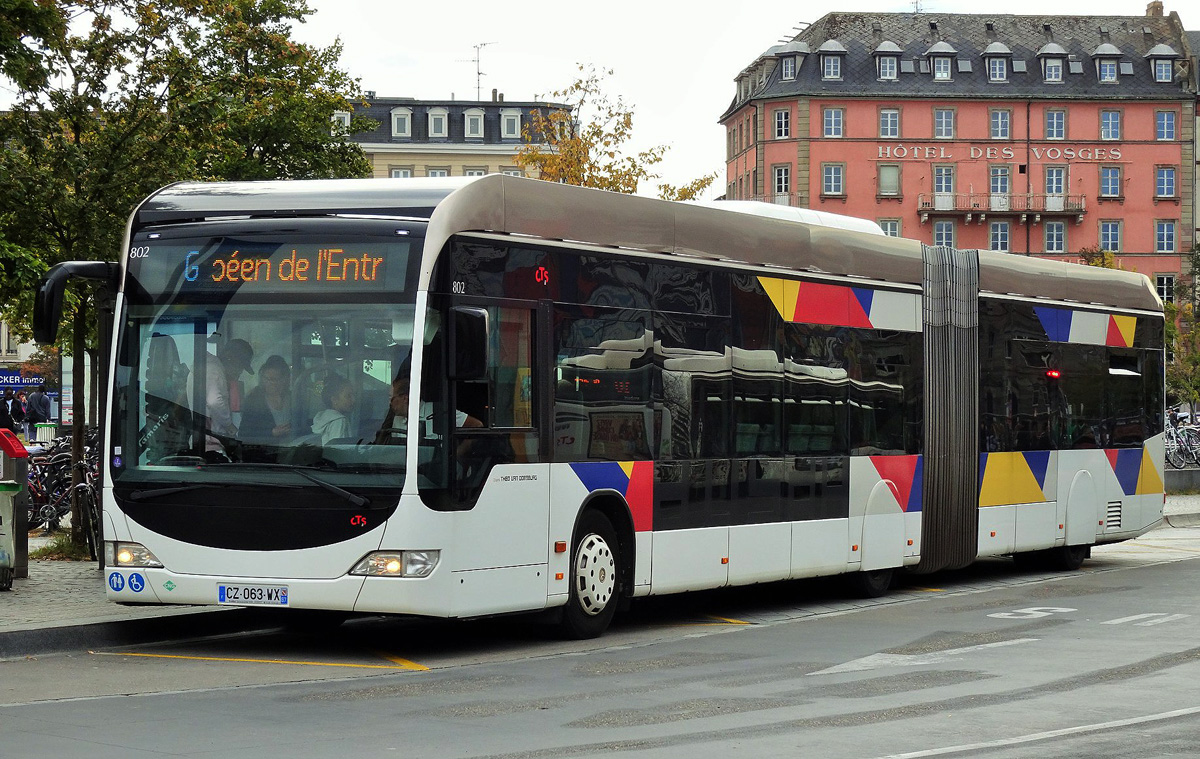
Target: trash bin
{"x":14,"y":536}
{"x":43,"y":432}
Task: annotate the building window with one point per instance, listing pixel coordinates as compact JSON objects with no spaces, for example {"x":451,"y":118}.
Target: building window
{"x":889,"y":123}
{"x":1164,"y":182}
{"x":1107,"y":70}
{"x":833,"y":179}
{"x":341,"y":123}
{"x":941,"y":68}
{"x":887,"y":67}
{"x":782,"y":183}
{"x":997,"y":69}
{"x":890,"y":227}
{"x":510,"y":124}
{"x":1162,"y":70}
{"x":1164,"y":237}
{"x":400,"y":173}
{"x":943,"y":123}
{"x":438,"y":121}
{"x":999,"y":237}
{"x":1056,"y":125}
{"x":475,"y":172}
{"x":1164,"y":125}
{"x":402,"y":122}
{"x":943,"y":233}
{"x":834,"y":122}
{"x":473,"y":124}
{"x":1056,"y":237}
{"x":1110,"y":181}
{"x":889,"y":179}
{"x":783,"y":124}
{"x":831,"y":67}
{"x":437,"y":172}
{"x":1056,"y":182}
{"x":512,"y":172}
{"x":943,"y":180}
{"x":1110,"y":236}
{"x":1165,"y":285}
{"x":787,"y":68}
{"x":1052,"y":70}
{"x":1110,"y":125}
{"x":1001,"y":183}
{"x":1001,"y":125}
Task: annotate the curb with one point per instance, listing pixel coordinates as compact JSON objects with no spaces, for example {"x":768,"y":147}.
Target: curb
{"x":17,"y":644}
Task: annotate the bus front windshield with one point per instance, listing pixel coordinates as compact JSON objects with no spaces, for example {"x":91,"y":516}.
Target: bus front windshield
{"x":264,"y":353}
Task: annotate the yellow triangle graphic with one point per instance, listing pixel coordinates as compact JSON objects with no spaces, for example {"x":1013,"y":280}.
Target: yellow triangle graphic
{"x":774,"y":288}
{"x":791,"y":294}
{"x":1007,"y":479}
{"x":1127,"y":325}
{"x":1149,"y":480}
{"x":627,"y":468}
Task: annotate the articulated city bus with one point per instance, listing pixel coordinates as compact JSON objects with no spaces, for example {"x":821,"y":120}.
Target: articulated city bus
{"x":467,"y":398}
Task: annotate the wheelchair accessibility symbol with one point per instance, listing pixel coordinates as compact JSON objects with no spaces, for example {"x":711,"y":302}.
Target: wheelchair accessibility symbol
{"x":136,"y":583}
{"x":116,"y":582}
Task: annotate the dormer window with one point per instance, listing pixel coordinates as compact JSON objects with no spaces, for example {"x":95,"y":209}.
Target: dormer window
{"x":888,"y":66}
{"x":941,"y":58}
{"x":1162,"y":61}
{"x":1107,"y":70}
{"x":473,"y":123}
{"x":832,"y":53}
{"x":1106,"y":57}
{"x":997,"y":69}
{"x":831,"y":67}
{"x":402,"y":122}
{"x":787,"y":68}
{"x":941,"y":68}
{"x":510,"y":123}
{"x":438,"y":122}
{"x":1052,"y":69}
{"x":341,"y":123}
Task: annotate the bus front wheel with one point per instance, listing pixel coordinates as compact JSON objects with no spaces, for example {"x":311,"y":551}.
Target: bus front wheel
{"x":594,"y":574}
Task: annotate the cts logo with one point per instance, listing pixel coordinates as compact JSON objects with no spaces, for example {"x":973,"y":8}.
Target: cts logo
{"x":358,"y":520}
{"x":542,"y":275}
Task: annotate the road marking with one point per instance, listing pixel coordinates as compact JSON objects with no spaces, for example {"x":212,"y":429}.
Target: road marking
{"x":1163,"y":617}
{"x":249,"y":661}
{"x":728,"y":621}
{"x":876,"y":661}
{"x":404,"y":662}
{"x":1047,"y":735}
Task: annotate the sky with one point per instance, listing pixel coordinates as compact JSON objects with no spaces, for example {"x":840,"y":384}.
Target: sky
{"x":673,"y":62}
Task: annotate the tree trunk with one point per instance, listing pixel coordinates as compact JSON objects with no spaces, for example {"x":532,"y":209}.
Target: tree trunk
{"x":78,"y":375}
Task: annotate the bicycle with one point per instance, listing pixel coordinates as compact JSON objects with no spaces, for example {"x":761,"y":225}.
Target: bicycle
{"x":1176,"y":455}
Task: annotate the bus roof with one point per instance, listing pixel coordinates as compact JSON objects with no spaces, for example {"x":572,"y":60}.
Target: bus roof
{"x":503,"y":204}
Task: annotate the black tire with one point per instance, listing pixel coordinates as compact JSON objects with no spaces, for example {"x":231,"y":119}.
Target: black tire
{"x":6,"y":578}
{"x":872,"y":584}
{"x":1030,"y":561}
{"x":1068,"y":558}
{"x":595,"y":578}
{"x":1176,"y":457}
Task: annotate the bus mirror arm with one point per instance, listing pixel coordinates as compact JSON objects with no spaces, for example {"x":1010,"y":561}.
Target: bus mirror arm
{"x":48,"y":298}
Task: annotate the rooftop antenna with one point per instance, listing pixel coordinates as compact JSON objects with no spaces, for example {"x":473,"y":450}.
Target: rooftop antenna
{"x":916,"y":4}
{"x":478,"y":73}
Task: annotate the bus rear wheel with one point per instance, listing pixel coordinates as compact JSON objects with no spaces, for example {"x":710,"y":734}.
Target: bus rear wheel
{"x":1068,"y":558}
{"x":871,"y":584}
{"x":594,"y":576}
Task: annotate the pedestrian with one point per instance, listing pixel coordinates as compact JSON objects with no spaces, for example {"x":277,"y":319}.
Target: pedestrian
{"x":24,"y":403}
{"x":15,"y":410}
{"x":37,"y":409}
{"x":6,"y":420}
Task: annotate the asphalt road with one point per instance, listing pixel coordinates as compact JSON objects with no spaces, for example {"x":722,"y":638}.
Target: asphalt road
{"x":986,"y":661}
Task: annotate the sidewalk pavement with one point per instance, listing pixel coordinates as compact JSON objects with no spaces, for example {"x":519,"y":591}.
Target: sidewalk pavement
{"x":61,"y":606}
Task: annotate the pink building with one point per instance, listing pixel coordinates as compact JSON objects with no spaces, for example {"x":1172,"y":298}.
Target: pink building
{"x":1034,"y":135}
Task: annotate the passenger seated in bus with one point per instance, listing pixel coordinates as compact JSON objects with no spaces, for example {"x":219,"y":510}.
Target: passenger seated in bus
{"x":333,"y":421}
{"x":167,"y":419}
{"x":220,"y":375}
{"x":267,"y":413}
{"x":395,"y":423}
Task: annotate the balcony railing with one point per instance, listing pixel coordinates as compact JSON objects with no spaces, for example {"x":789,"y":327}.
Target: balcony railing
{"x":983,"y":204}
{"x":796,"y":199}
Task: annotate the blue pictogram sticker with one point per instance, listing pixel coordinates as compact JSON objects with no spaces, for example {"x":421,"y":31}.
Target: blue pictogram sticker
{"x":116,"y":582}
{"x":136,"y":583}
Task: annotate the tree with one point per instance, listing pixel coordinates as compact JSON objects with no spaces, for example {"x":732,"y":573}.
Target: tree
{"x":1183,"y":337}
{"x":1094,"y":255}
{"x":43,"y":363}
{"x":24,"y":24}
{"x":584,"y":143}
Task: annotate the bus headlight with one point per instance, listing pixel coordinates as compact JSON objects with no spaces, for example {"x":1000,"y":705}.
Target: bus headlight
{"x":397,"y":564}
{"x":118,"y":554}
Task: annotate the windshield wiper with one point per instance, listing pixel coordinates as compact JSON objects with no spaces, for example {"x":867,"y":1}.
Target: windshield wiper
{"x":303,"y":471}
{"x":142,"y":495}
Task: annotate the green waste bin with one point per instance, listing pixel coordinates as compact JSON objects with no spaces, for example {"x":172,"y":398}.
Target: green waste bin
{"x":8,"y":532}
{"x":44,"y":433}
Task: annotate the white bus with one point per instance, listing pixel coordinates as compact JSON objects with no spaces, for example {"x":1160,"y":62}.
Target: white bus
{"x":458,"y":399}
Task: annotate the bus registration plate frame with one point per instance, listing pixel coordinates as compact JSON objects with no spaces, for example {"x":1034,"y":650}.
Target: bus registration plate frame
{"x":231,"y":594}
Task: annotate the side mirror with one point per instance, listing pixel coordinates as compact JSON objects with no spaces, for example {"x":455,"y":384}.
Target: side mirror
{"x":468,"y":343}
{"x":48,"y":299}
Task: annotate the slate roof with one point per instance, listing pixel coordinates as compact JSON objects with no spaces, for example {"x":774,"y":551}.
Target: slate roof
{"x":970,"y":35}
{"x":380,"y":109}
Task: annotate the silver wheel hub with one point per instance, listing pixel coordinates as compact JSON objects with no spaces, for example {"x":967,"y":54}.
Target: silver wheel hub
{"x":595,"y":574}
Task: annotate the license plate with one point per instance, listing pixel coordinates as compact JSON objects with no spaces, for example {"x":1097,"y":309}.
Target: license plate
{"x":253,"y":595}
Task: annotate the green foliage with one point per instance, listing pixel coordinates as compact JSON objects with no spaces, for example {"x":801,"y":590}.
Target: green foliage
{"x":24,"y":24}
{"x":584,"y":143}
{"x":1183,"y":337}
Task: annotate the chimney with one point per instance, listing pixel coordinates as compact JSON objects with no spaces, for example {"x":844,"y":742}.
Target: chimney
{"x":493,"y":94}
{"x":501,"y":97}
{"x":1155,"y":9}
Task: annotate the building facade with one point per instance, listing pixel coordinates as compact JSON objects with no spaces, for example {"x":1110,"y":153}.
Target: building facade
{"x":1039,"y":135}
{"x":444,"y":138}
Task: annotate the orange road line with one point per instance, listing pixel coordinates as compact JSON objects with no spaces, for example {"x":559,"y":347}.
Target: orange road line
{"x":401,"y":662}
